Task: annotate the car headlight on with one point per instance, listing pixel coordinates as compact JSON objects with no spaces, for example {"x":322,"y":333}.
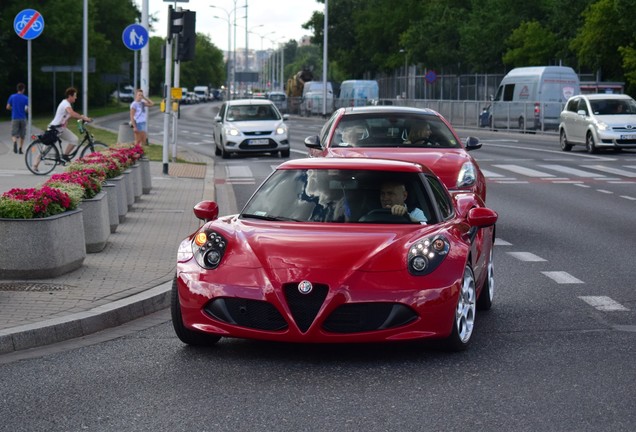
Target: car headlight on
{"x":602,"y":126}
{"x":427,"y":254}
{"x":467,"y":175}
{"x":232,"y":131}
{"x":208,"y":248}
{"x":281,"y":130}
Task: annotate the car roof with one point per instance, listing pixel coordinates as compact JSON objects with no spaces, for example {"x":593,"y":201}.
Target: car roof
{"x":606,"y":96}
{"x":370,"y":164}
{"x":256,"y":101}
{"x":371,"y":109}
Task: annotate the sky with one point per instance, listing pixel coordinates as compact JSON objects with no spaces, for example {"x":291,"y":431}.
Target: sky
{"x":276,"y":21}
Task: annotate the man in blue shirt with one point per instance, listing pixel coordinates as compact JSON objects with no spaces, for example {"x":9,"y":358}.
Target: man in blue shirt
{"x":393,"y":196}
{"x":18,"y":104}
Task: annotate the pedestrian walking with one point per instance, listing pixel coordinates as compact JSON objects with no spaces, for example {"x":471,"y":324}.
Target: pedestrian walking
{"x":18,"y":104}
{"x":139,"y":116}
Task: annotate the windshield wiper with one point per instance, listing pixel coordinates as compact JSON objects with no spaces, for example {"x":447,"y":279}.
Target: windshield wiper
{"x":270,"y":218}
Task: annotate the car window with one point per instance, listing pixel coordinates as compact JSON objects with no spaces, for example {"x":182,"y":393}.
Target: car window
{"x":508,"y":93}
{"x":582,"y":106}
{"x":333,"y":196}
{"x":573,"y":105}
{"x":393,"y":130}
{"x":251,"y":113}
{"x":324,"y":132}
{"x":444,"y":201}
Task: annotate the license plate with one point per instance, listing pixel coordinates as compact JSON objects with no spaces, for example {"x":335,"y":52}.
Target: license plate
{"x":258,"y":142}
{"x":628,"y":137}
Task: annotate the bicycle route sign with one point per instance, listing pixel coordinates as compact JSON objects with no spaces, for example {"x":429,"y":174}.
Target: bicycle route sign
{"x":135,"y":37}
{"x":28,"y":24}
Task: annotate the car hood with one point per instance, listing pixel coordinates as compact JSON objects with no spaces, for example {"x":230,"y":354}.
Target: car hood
{"x":302,"y":246}
{"x":627,"y":119}
{"x":255,"y":125}
{"x":446,"y":163}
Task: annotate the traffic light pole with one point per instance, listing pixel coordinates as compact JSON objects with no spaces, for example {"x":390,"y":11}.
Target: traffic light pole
{"x":167,"y":97}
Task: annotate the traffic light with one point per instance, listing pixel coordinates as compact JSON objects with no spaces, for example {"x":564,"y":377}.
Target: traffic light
{"x":187,"y":36}
{"x":175,"y":21}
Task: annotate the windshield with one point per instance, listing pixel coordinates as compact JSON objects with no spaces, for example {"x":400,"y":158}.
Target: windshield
{"x":336,"y":196}
{"x":613,"y":106}
{"x":393,"y":130}
{"x":251,"y":113}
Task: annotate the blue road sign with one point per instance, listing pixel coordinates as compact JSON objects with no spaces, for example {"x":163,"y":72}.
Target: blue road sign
{"x":28,"y":24}
{"x":135,"y":37}
{"x":430,"y":76}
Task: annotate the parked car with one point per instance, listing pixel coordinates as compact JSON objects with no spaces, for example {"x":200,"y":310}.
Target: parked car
{"x":598,"y":121}
{"x":124,"y":94}
{"x":383,"y":132}
{"x":250,"y":126}
{"x":279,"y":99}
{"x":312,"y":99}
{"x":358,"y":93}
{"x":313,"y":257}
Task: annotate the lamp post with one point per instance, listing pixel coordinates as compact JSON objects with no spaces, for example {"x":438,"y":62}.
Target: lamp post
{"x":261,"y":65}
{"x":229,"y":48}
{"x":231,"y":72}
{"x":406,"y":73}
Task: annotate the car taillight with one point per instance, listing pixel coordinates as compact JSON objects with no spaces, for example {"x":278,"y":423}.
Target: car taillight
{"x":537,"y":109}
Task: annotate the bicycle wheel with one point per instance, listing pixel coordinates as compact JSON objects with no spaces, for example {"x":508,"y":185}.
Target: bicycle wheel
{"x":45,"y":157}
{"x":96,"y":146}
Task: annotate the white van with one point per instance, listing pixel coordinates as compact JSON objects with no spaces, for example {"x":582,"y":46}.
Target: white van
{"x":358,"y":93}
{"x":312,"y":98}
{"x":202,"y":92}
{"x":531,"y":98}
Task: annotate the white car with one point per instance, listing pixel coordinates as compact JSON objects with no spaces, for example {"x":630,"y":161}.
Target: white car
{"x":250,"y":126}
{"x":598,"y":121}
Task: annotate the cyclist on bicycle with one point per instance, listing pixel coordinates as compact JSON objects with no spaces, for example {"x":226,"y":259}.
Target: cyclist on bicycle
{"x":64,"y":112}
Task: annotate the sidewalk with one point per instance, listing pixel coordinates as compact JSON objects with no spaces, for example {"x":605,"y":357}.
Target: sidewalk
{"x":130,"y":278}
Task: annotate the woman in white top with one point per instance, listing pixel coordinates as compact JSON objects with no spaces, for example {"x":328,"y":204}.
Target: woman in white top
{"x":139,"y":116}
{"x":64,"y":112}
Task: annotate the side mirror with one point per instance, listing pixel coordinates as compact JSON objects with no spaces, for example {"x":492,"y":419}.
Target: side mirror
{"x":313,"y":142}
{"x":581,"y":113}
{"x":472,"y":143}
{"x":285,"y":117}
{"x":481,"y":217}
{"x":217,"y":119}
{"x":206,"y":210}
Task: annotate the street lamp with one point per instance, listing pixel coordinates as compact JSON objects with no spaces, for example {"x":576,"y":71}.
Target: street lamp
{"x":406,"y":73}
{"x":262,"y":62}
{"x":231,"y":76}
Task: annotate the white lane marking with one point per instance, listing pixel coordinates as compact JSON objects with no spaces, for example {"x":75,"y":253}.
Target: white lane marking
{"x":490,"y":174}
{"x":242,"y":171}
{"x":526,"y":256}
{"x":604,"y":191}
{"x":524,"y":171}
{"x":500,"y":242}
{"x":562,"y":277}
{"x":603,"y":303}
{"x":572,"y":171}
{"x":611,"y":170}
{"x":582,"y":185}
{"x":627,"y":197}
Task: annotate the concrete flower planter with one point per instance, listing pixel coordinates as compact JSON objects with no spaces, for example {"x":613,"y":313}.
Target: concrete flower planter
{"x":42,"y":248}
{"x":146,"y":177}
{"x":130,"y":188}
{"x":96,"y":222}
{"x":137,"y":186}
{"x":113,"y":211}
{"x":122,"y":196}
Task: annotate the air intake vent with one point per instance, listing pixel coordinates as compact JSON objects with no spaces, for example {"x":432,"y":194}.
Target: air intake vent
{"x":305,"y":307}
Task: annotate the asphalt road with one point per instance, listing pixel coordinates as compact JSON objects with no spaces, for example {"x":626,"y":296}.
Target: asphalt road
{"x":556,"y":352}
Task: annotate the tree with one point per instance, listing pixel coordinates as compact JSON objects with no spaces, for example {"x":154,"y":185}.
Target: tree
{"x":530,"y":44}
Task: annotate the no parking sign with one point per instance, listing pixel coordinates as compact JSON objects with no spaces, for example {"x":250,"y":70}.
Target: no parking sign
{"x":28,"y":24}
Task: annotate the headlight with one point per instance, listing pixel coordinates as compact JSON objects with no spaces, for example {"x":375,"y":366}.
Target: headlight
{"x":232,"y":131}
{"x":427,"y":254}
{"x":602,"y":126}
{"x":281,"y":130}
{"x":208,"y":248}
{"x":467,"y":175}
{"x":185,"y":251}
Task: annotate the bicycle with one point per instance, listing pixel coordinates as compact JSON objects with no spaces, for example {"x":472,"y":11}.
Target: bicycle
{"x":45,"y":152}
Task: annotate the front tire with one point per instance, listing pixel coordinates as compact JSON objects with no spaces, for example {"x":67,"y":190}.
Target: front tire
{"x":464,"y":318}
{"x":97,"y":146}
{"x":45,"y":156}
{"x":590,"y":146}
{"x":186,"y":335}
{"x":563,"y":141}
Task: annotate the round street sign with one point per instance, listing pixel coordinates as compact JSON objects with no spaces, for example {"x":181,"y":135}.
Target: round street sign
{"x":135,"y":37}
{"x":28,"y":24}
{"x":430,"y":76}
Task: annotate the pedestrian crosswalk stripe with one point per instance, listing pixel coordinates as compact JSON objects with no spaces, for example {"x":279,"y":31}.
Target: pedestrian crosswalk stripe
{"x":604,"y":303}
{"x":529,"y":172}
{"x":611,"y":170}
{"x":526,"y":256}
{"x":572,"y":171}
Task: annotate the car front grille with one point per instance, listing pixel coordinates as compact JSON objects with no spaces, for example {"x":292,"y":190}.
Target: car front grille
{"x":304,"y":307}
{"x":363,"y":317}
{"x":253,"y":314}
{"x":245,"y":145}
{"x":257,"y":133}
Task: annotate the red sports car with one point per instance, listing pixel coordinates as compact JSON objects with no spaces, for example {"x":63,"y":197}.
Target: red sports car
{"x":338,"y":250}
{"x":411,"y":134}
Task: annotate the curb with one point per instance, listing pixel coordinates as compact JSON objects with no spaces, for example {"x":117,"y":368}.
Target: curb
{"x":85,"y":323}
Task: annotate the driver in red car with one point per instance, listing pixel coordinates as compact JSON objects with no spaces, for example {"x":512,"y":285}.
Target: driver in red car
{"x":393,"y":196}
